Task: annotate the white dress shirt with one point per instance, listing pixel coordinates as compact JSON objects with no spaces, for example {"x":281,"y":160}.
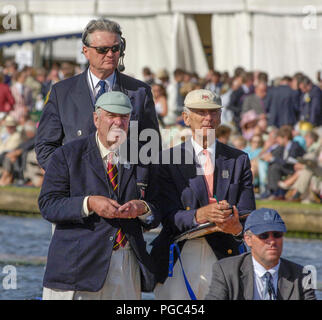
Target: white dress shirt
{"x":200,"y":157}
{"x":94,"y":86}
{"x":259,"y":272}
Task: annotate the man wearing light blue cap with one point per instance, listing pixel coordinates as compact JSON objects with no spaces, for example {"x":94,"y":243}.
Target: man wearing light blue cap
{"x":261,"y":274}
{"x":100,"y":203}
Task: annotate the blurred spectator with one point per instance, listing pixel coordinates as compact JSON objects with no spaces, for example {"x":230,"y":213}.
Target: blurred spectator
{"x":253,"y":150}
{"x":67,"y":70}
{"x":22,"y":95}
{"x":305,"y":168}
{"x":175,"y":99}
{"x":148,"y":77}
{"x":248,"y":123}
{"x":10,"y":137}
{"x":160,"y":101}
{"x":256,"y":100}
{"x":283,"y":109}
{"x":14,"y":162}
{"x":239,"y":94}
{"x":214,"y":83}
{"x":9,"y":71}
{"x":7,"y":100}
{"x":187,"y":84}
{"x":239,"y":142}
{"x":32,"y":83}
{"x":223,"y":133}
{"x":163,"y":77}
{"x":311,"y":102}
{"x":281,"y":161}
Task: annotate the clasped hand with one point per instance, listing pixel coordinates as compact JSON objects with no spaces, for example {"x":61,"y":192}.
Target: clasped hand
{"x":109,"y":208}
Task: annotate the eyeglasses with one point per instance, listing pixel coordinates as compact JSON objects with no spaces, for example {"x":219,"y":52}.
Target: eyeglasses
{"x":204,"y":113}
{"x":104,"y":50}
{"x":265,"y":235}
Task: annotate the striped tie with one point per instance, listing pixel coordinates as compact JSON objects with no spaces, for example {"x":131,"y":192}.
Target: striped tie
{"x":269,"y":291}
{"x":102,"y":85}
{"x":112,"y":174}
{"x":209,"y":173}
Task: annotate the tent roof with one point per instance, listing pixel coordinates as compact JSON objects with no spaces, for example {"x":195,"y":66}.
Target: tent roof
{"x":10,"y":38}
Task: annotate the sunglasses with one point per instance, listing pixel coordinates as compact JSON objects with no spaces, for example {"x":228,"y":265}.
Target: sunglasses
{"x":104,"y":50}
{"x":265,"y":235}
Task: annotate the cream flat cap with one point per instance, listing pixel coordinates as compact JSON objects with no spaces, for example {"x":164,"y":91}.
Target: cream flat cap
{"x":202,"y":99}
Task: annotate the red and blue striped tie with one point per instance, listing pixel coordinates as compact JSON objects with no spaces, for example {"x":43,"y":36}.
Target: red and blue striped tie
{"x":112,"y":174}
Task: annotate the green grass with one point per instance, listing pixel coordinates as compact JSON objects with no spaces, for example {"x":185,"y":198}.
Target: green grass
{"x":25,"y":190}
{"x":287,"y":205}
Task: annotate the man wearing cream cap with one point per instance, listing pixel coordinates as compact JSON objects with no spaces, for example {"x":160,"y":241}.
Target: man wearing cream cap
{"x":205,"y":181}
{"x":92,"y":194}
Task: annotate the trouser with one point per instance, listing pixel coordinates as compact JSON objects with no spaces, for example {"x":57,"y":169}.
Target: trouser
{"x":197,"y":259}
{"x":122,"y":281}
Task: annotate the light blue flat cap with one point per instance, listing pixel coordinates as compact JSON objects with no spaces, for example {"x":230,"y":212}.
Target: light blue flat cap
{"x":115,"y":102}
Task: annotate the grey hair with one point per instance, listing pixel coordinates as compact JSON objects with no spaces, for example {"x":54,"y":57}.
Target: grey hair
{"x":186,"y":110}
{"x":248,"y":233}
{"x":100,"y":24}
{"x":98,"y":111}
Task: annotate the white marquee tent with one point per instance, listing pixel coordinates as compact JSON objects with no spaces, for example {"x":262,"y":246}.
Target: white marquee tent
{"x":277,"y":36}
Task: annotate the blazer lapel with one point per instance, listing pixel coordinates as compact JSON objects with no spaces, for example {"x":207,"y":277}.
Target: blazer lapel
{"x":223,"y":172}
{"x":82,"y":95}
{"x":125,"y":171}
{"x":93,"y":157}
{"x":247,"y":278}
{"x":284,"y":286}
{"x":190,"y":173}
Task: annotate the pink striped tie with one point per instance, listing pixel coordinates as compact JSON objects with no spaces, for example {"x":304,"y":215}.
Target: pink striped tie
{"x":209,"y":173}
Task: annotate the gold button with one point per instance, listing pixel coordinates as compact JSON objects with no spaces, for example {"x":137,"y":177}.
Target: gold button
{"x":188,"y":208}
{"x":229,"y":251}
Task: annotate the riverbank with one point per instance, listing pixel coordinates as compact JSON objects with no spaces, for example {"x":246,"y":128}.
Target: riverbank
{"x":300,"y":219}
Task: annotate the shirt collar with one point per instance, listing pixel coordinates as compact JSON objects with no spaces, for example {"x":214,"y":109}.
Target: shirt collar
{"x":198,"y":148}
{"x":260,"y":270}
{"x":103,"y":150}
{"x":109,"y":80}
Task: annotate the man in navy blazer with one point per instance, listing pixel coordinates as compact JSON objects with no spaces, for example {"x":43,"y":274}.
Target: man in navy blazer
{"x":89,"y":208}
{"x":281,"y":161}
{"x":186,"y":200}
{"x":67,"y":114}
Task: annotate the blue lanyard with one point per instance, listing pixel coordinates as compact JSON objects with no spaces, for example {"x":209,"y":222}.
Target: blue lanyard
{"x":190,"y":291}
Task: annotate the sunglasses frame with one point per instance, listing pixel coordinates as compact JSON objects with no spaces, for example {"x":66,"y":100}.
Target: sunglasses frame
{"x":105,"y":50}
{"x":265,"y":235}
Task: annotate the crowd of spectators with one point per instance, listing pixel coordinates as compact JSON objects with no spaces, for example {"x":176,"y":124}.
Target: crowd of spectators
{"x":23,"y":93}
{"x":278,"y":122}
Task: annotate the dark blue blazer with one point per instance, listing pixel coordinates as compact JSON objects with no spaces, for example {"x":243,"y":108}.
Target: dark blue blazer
{"x":68,"y":114}
{"x":80,"y":250}
{"x":182,"y":191}
{"x":311,"y":111}
{"x":283,"y":107}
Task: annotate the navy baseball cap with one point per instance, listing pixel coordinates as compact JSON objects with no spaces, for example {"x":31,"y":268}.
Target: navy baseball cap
{"x":264,"y":220}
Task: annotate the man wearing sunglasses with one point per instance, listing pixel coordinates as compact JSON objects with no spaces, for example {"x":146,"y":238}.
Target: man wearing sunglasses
{"x":68,"y":113}
{"x":261,"y":274}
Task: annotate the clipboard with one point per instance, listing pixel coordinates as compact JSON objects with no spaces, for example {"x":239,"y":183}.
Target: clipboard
{"x":195,"y":232}
{"x":200,"y":230}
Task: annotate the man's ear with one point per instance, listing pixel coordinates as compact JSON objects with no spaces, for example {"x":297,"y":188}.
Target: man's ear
{"x":85,"y":51}
{"x":186,"y":118}
{"x":248,"y":240}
